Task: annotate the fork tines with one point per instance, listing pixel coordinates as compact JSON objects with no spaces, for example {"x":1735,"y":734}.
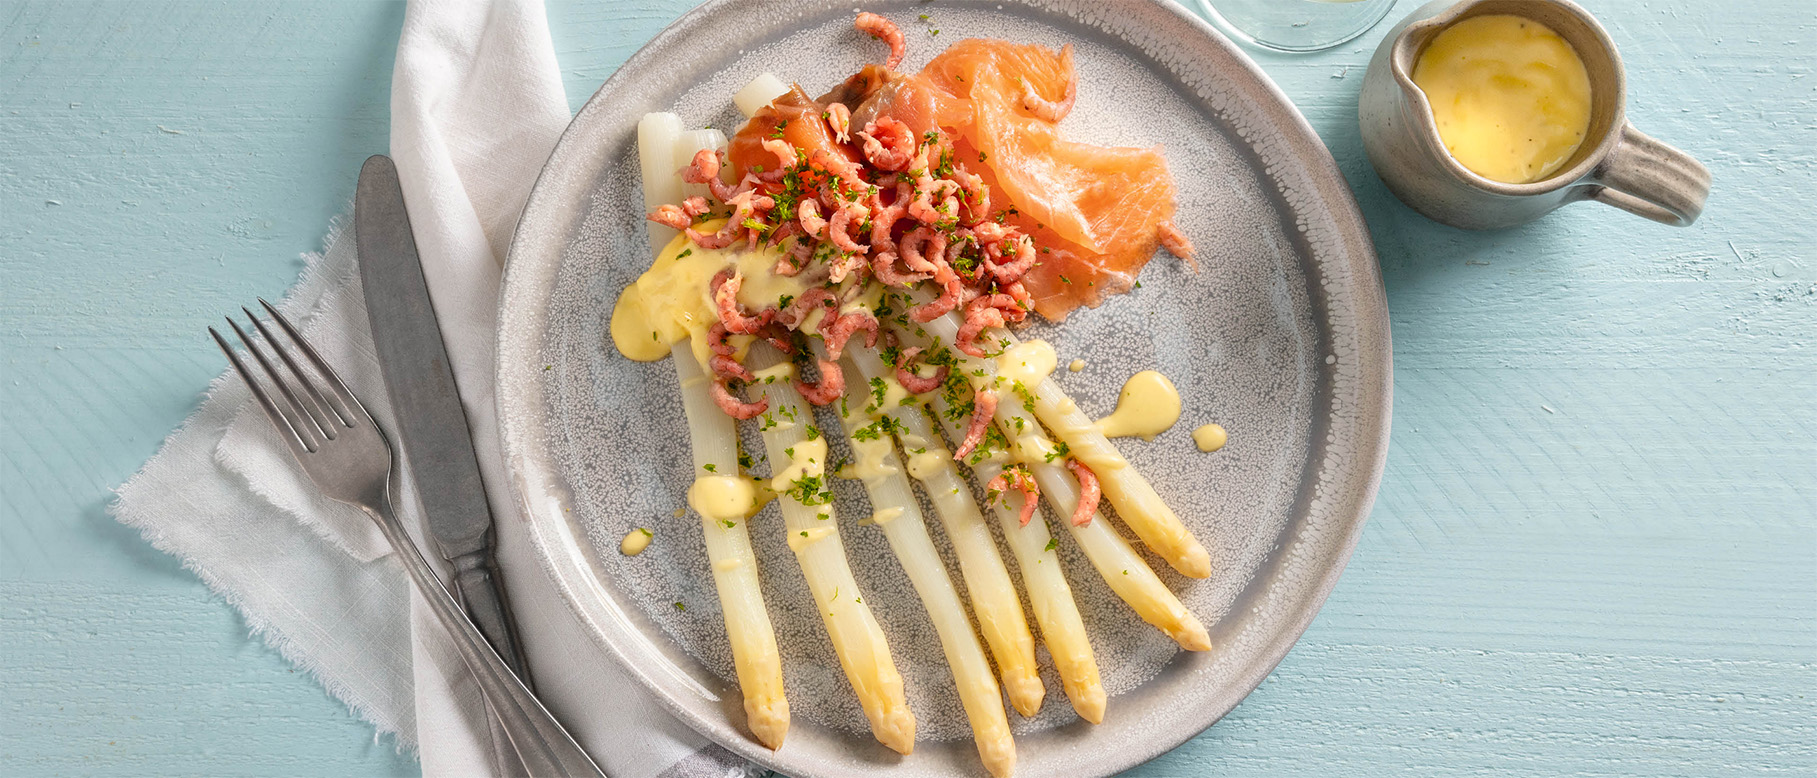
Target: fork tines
{"x":312,"y":416}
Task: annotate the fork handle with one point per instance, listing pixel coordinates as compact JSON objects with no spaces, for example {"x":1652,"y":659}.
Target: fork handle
{"x":542,"y":744}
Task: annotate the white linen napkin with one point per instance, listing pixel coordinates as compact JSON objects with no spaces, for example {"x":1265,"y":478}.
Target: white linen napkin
{"x":476,"y":107}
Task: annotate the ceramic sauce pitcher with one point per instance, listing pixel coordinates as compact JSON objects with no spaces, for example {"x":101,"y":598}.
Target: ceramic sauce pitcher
{"x":1614,"y":163}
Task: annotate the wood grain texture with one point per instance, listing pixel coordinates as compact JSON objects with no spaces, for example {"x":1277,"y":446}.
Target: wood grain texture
{"x":1594,"y":553}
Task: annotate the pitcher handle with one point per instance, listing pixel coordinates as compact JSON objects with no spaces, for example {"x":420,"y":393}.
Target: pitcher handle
{"x":1649,"y":178}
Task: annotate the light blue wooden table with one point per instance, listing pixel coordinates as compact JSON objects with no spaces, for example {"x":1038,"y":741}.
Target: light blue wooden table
{"x":1595,"y":550}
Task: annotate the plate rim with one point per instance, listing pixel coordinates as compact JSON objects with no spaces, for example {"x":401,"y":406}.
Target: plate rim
{"x":1375,"y":357}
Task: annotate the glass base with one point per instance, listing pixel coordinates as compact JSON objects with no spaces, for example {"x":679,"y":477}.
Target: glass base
{"x":1295,"y":26}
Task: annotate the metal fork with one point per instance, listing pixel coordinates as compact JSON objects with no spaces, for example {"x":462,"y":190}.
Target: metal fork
{"x":347,"y":456}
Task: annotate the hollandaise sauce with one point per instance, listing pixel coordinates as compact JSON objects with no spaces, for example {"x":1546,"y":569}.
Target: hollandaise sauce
{"x":1510,"y":96}
{"x":673,"y":299}
{"x":1148,"y":405}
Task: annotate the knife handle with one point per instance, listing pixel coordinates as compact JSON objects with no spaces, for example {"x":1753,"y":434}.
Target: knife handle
{"x":483,"y":593}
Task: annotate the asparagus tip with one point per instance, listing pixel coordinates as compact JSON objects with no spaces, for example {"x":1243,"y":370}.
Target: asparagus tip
{"x":1025,"y":693}
{"x":768,"y":720}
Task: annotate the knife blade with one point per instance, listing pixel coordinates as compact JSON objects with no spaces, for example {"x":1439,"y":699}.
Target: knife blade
{"x":431,"y":425}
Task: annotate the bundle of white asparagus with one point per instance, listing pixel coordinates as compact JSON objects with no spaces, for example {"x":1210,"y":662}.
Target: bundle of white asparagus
{"x":896,"y":440}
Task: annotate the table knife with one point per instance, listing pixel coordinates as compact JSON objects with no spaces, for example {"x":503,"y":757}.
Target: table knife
{"x":431,"y":426}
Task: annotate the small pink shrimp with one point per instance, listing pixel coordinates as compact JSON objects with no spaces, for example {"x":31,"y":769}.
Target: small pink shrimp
{"x":742,"y":208}
{"x":951,"y":288}
{"x":1177,"y":244}
{"x":839,"y":167}
{"x":791,"y":264}
{"x":884,"y":219}
{"x":837,"y":330}
{"x":725,"y":366}
{"x":717,"y":337}
{"x":734,"y":407}
{"x":831,"y":386}
{"x":839,"y":228}
{"x":975,"y":194}
{"x":984,"y":406}
{"x":1053,"y":110}
{"x":671,"y":216}
{"x":1016,"y":477}
{"x":888,"y":143}
{"x":695,"y":206}
{"x":804,"y":304}
{"x":725,"y":294}
{"x":785,"y":153}
{"x":786,"y":159}
{"x":980,"y":313}
{"x":808,"y":212}
{"x":913,"y":381}
{"x":847,"y":264}
{"x":991,"y":232}
{"x":778,"y":337}
{"x":704,"y":169}
{"x":926,"y":191}
{"x":1021,"y":252}
{"x":883,"y":266}
{"x":1025,"y":302}
{"x":1088,"y":492}
{"x":919,"y":245}
{"x":1045,"y":109}
{"x":839,"y":118}
{"x":884,"y":30}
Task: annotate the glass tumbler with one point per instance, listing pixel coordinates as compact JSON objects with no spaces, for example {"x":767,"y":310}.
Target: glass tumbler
{"x":1295,"y":25}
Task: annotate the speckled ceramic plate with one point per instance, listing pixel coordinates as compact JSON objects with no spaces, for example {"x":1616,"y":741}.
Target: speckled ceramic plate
{"x":1282,"y":338}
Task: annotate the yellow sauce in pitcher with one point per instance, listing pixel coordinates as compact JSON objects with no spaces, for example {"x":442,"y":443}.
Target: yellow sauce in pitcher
{"x":1510,"y":96}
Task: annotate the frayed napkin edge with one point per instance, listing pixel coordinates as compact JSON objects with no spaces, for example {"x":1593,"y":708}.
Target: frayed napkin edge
{"x":313,"y":283}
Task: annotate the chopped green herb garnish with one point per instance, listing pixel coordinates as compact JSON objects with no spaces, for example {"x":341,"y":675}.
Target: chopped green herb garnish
{"x":1052,"y":544}
{"x":810,"y":490}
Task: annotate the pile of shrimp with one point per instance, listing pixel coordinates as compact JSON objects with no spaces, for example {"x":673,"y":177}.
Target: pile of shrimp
{"x":897,"y":209}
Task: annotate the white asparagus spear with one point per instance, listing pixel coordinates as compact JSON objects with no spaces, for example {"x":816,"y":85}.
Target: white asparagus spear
{"x":1121,"y":567}
{"x":987,"y":580}
{"x":1135,"y":499}
{"x":1056,"y":611}
{"x":896,"y":512}
{"x":797,"y":452}
{"x":728,"y":543}
{"x":758,"y":93}
{"x":714,"y":440}
{"x":657,"y":135}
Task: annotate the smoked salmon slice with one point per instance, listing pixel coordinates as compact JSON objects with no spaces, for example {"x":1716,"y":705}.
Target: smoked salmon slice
{"x":1095,"y":210}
